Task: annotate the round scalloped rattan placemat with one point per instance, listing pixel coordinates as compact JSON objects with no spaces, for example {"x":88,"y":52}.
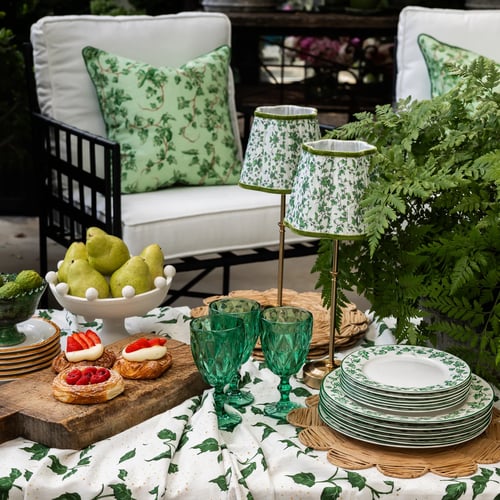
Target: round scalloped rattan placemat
{"x":354,"y":322}
{"x":348,"y":453}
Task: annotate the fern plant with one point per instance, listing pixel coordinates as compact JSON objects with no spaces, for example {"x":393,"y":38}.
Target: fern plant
{"x":431,"y":254}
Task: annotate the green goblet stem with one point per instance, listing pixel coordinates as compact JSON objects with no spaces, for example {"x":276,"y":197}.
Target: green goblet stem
{"x":284,"y":387}
{"x":225,"y":421}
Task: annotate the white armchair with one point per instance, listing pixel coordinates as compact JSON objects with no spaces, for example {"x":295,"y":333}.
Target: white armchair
{"x":473,"y":30}
{"x":199,"y":227}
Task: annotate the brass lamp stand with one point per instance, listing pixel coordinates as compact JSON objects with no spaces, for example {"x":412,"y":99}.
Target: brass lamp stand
{"x":331,"y":179}
{"x":315,"y":371}
{"x":272,"y":155}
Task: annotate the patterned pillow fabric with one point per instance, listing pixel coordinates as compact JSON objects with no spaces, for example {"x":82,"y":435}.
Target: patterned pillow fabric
{"x":438,"y":56}
{"x":173,"y":124}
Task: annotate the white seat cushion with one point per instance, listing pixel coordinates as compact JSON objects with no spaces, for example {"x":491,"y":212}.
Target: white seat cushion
{"x":216,"y":218}
{"x":475,"y":30}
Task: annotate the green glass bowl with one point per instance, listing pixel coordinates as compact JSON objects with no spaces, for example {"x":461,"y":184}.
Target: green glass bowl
{"x":16,"y":310}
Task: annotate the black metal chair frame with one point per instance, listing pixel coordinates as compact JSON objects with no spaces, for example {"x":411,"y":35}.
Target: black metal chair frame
{"x":69,"y":195}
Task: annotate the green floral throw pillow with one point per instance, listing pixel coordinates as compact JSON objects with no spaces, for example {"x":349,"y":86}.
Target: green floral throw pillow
{"x":173,"y":124}
{"x":438,"y":56}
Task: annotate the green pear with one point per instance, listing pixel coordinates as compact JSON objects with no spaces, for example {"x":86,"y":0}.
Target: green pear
{"x":106,"y":253}
{"x":153,"y":255}
{"x":135,"y":272}
{"x":77,"y":250}
{"x":81,"y":276}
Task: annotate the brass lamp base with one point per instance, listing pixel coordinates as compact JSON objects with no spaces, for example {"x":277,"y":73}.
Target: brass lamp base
{"x":315,"y":371}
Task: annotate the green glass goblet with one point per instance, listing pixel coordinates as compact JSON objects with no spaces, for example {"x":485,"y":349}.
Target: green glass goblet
{"x":249,"y":311}
{"x":216,"y":349}
{"x":285,"y":337}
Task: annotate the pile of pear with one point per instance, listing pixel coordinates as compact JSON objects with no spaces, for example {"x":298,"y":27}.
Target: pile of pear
{"x":103,"y":264}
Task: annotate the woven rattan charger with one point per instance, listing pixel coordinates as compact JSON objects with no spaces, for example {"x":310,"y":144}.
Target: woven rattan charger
{"x":354,"y":322}
{"x":348,"y":453}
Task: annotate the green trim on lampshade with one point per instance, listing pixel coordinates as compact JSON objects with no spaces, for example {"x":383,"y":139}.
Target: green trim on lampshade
{"x":312,"y":234}
{"x":330,"y":180}
{"x":264,"y":189}
{"x":368,"y":149}
{"x":307,"y":114}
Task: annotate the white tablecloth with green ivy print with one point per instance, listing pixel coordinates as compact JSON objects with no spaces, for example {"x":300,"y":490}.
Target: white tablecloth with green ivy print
{"x":182,"y":454}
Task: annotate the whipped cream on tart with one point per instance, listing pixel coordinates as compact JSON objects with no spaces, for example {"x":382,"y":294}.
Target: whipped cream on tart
{"x":144,"y":359}
{"x":86,"y":349}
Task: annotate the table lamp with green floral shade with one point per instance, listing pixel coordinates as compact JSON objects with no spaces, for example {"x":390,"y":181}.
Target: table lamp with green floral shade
{"x":272,"y":155}
{"x":330,"y":181}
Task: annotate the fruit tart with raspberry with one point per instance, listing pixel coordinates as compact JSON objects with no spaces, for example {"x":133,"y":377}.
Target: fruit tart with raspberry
{"x":145,"y":358}
{"x":87,"y":385}
{"x":83,"y":349}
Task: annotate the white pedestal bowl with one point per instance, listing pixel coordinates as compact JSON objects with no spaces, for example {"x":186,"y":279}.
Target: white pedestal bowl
{"x":112,"y":311}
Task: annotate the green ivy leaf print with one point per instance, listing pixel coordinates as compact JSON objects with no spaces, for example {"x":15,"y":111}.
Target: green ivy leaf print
{"x":173,"y":468}
{"x":331,"y":493}
{"x":304,"y":478}
{"x":268,"y":430}
{"x":167,"y":434}
{"x":56,"y":466}
{"x":257,"y":411}
{"x":356,"y":480}
{"x":301,"y":392}
{"x":130,"y":454}
{"x":38,"y":451}
{"x":245,"y":472}
{"x":7,"y":483}
{"x":454,"y":491}
{"x":122,"y":474}
{"x":210,"y":444}
{"x":161,"y":456}
{"x":121,"y":492}
{"x":221,"y":481}
{"x":245,"y":379}
{"x":68,"y":496}
{"x":481,"y":481}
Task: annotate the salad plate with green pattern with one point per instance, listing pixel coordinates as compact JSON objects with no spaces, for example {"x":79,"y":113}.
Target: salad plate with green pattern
{"x":412,"y":371}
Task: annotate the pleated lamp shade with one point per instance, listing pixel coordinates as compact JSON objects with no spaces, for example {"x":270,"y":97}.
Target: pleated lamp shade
{"x":274,"y":146}
{"x":331,"y":178}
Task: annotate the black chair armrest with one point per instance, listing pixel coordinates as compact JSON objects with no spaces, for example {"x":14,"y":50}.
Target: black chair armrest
{"x":79,"y":178}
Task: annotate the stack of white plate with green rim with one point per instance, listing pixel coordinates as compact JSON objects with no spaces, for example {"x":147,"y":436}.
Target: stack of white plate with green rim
{"x":41,"y":345}
{"x":406,"y":396}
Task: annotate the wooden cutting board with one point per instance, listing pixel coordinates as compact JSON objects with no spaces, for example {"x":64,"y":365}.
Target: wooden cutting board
{"x":28,"y":408}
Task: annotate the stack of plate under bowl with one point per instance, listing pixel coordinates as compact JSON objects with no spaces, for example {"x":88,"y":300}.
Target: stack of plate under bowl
{"x":41,"y":345}
{"x":406,"y":396}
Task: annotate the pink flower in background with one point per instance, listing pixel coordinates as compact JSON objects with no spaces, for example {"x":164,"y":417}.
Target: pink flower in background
{"x":316,"y":51}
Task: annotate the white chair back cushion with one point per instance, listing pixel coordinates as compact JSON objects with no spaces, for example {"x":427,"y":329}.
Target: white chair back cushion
{"x":475,"y":30}
{"x":64,"y":89}
{"x":184,"y":220}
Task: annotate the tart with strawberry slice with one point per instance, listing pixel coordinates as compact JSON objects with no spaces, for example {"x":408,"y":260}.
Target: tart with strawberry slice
{"x":144,"y":358}
{"x":83,"y":349}
{"x":87,"y":385}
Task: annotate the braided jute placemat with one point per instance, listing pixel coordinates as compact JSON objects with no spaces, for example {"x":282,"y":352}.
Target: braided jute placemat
{"x":342,"y":451}
{"x":353,"y":326}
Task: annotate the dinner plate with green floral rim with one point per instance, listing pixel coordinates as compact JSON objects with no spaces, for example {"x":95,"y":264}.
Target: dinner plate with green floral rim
{"x":405,"y":368}
{"x":375,"y":425}
{"x":387,"y":403}
{"x":419,"y":434}
{"x":398,"y":442}
{"x":480,"y":398}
